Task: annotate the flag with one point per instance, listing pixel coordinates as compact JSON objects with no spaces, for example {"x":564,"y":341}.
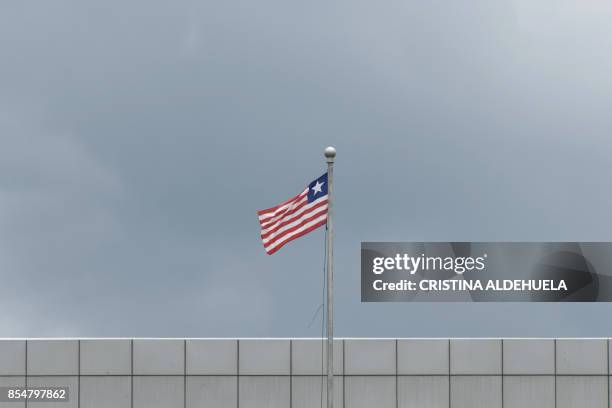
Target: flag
{"x":295,"y":217}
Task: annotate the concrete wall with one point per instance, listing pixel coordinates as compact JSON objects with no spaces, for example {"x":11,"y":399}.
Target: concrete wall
{"x":251,"y":373}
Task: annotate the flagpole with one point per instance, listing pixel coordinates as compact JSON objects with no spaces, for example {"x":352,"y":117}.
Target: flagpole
{"x":330,"y":154}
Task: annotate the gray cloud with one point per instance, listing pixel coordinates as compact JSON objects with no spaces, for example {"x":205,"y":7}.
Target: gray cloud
{"x":139,"y":139}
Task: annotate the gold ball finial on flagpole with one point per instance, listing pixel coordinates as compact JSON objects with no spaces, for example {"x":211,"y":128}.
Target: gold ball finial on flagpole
{"x":330,"y":153}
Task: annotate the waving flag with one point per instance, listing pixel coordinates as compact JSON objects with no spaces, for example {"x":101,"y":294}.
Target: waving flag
{"x":295,"y":217}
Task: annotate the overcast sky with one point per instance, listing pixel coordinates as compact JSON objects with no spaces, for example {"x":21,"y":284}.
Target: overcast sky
{"x":139,"y":138}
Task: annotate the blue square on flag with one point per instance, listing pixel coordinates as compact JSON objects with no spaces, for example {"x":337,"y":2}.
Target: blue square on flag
{"x":317,"y":188}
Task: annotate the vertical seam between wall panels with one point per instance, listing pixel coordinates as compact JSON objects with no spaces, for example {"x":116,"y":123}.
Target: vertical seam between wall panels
{"x":502,"y":373}
{"x":132,"y":373}
{"x":555,"y":370}
{"x":26,"y":370}
{"x":608,"y":369}
{"x":185,"y":373}
{"x":396,"y":379}
{"x":238,"y":373}
{"x":343,"y":374}
{"x":449,"y":374}
{"x":290,"y":373}
{"x":79,"y":373}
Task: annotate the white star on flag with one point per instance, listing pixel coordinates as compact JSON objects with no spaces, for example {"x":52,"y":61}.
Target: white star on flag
{"x":317,"y":188}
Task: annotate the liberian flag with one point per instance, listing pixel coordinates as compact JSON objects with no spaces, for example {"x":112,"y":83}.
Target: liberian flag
{"x":295,"y":217}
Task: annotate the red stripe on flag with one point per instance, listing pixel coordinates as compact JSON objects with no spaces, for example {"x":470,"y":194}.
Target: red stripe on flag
{"x":273,"y":226}
{"x":306,"y":231}
{"x":305,"y":218}
{"x":296,"y":233}
{"x":272,"y":209}
{"x":291,"y":209}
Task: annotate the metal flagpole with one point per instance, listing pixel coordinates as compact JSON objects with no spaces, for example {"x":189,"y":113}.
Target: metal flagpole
{"x":330,"y":154}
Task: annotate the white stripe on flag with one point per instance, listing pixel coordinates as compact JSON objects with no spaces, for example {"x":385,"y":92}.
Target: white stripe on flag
{"x":291,"y":217}
{"x":273,"y":236}
{"x":297,"y":231}
{"x":282,"y":207}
